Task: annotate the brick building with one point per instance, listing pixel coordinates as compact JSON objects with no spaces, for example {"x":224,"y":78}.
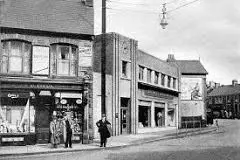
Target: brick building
{"x":224,"y":101}
{"x":44,"y":45}
{"x":193,"y":89}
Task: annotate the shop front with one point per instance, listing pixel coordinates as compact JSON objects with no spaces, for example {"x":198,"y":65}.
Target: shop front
{"x":26,"y":111}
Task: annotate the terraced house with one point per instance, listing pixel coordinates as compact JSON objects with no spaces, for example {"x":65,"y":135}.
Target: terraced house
{"x":45,"y":45}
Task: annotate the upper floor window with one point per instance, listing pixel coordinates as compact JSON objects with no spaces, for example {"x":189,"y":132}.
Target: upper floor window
{"x":149,"y":79}
{"x":169,"y":81}
{"x":156,"y":77}
{"x":66,"y":58}
{"x":141,"y":72}
{"x":163,"y":79}
{"x":15,"y":57}
{"x":174,"y":83}
{"x":124,"y":68}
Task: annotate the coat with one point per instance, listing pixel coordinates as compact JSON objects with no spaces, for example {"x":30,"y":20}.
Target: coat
{"x":64,"y":130}
{"x":55,"y":130}
{"x":103,"y":128}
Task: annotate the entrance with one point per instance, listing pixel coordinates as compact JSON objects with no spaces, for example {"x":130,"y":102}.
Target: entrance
{"x":43,"y":111}
{"x":125,"y":125}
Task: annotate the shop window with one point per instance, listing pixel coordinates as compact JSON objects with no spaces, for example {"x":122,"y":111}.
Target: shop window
{"x":163,"y":79}
{"x":124,"y":69}
{"x":66,"y":57}
{"x":141,"y":72}
{"x":15,"y":57}
{"x":156,"y":77}
{"x":17,"y":115}
{"x":169,"y":82}
{"x":159,"y":116}
{"x":149,"y":76}
{"x":144,"y":116}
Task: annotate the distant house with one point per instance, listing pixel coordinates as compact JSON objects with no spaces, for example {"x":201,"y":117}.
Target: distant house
{"x":223,"y":102}
{"x":193,"y":89}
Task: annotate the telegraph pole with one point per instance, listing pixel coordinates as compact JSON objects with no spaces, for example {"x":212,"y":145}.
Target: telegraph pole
{"x":103,"y":59}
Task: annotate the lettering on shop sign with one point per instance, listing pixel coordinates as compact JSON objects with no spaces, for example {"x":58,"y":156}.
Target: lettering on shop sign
{"x":12,"y":95}
{"x":157,"y":94}
{"x":12,"y":139}
{"x":68,"y":107}
{"x":41,"y":86}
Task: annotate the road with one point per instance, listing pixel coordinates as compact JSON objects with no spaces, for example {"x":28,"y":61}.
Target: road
{"x":221,"y":145}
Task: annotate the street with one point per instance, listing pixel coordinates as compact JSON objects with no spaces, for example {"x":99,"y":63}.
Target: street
{"x":223,"y":144}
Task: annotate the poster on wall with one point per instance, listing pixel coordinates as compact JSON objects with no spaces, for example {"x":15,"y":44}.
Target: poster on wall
{"x":40,"y":60}
{"x":192,"y":89}
{"x":85,"y":55}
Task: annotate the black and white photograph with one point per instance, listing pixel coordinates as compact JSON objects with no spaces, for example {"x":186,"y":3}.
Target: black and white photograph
{"x":119,"y":80}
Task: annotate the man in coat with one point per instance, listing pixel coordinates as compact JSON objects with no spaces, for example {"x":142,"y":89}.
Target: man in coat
{"x":55,"y":131}
{"x":67,"y":130}
{"x":103,"y":130}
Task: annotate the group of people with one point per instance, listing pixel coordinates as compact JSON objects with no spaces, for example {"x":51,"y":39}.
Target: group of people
{"x":61,"y":127}
{"x":65,"y":127}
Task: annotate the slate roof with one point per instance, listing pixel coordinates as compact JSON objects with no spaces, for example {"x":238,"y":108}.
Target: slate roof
{"x":225,"y":90}
{"x":66,"y":16}
{"x":191,"y":67}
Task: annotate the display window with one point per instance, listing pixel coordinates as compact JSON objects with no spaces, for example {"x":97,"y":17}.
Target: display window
{"x":17,"y":115}
{"x":144,"y":116}
{"x":71,"y":104}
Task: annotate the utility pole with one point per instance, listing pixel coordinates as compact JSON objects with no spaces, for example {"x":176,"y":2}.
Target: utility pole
{"x":103,"y":59}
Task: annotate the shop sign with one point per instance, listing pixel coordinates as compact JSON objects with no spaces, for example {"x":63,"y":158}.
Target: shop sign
{"x":153,"y":93}
{"x":79,"y":101}
{"x":12,"y":139}
{"x":63,"y":101}
{"x":40,"y":60}
{"x":12,"y":95}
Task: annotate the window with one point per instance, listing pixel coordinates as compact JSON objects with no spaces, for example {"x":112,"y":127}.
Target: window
{"x":66,"y":59}
{"x":16,"y":113}
{"x":141,"y":71}
{"x":149,"y":79}
{"x":144,"y":116}
{"x":16,"y":57}
{"x":163,"y":79}
{"x":156,"y":77}
{"x":169,"y":81}
{"x":124,"y":68}
{"x":174,"y":83}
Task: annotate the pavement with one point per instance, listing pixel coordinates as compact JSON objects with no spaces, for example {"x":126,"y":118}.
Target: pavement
{"x":113,"y":142}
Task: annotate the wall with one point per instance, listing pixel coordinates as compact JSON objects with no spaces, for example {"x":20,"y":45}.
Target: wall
{"x":193,"y":106}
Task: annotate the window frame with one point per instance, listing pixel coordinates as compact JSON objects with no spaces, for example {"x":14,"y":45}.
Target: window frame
{"x":71,"y":60}
{"x":141,"y":73}
{"x":156,"y":77}
{"x":25,"y":57}
{"x":124,"y":69}
{"x":149,"y":75}
{"x":163,"y":79}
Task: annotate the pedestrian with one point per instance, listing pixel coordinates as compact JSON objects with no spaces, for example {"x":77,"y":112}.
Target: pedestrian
{"x":103,"y":130}
{"x":216,"y":122}
{"x":55,"y":132}
{"x":67,"y":130}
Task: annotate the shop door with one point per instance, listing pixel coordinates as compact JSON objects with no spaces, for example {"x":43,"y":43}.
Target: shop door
{"x":124,"y":121}
{"x":43,"y":122}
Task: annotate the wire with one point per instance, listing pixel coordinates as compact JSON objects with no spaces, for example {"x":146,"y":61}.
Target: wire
{"x":184,"y":5}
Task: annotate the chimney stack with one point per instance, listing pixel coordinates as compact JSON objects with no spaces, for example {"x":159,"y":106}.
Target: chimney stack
{"x":170,"y":58}
{"x":234,"y":82}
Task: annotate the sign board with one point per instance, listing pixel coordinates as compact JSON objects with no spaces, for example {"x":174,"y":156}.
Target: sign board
{"x":192,"y":89}
{"x":12,"y":139}
{"x":40,"y":60}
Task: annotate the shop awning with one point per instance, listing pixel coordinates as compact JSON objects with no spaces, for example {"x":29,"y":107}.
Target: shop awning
{"x":14,"y":94}
{"x":68,"y":95}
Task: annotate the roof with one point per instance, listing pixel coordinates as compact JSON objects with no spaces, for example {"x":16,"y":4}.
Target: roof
{"x":191,"y":67}
{"x":225,"y":90}
{"x":154,"y":63}
{"x":66,"y":16}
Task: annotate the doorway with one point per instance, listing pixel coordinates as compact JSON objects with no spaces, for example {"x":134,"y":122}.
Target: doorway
{"x":125,"y":116}
{"x":43,"y":111}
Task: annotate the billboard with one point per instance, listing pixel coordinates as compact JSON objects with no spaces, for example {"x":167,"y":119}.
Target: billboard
{"x":192,"y":88}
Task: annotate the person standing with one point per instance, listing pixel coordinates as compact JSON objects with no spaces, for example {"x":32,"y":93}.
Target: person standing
{"x":67,"y":131}
{"x":54,"y":130}
{"x":103,"y":130}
